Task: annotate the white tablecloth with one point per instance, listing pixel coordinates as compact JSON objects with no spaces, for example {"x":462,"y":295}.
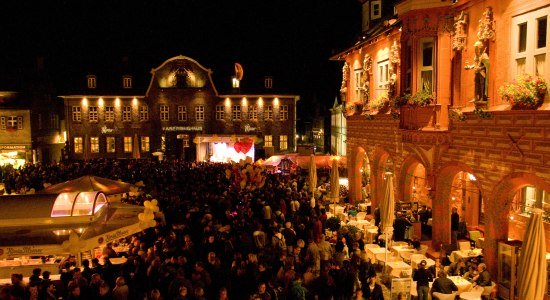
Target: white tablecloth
{"x":396,"y":268}
{"x":415,"y":262}
{"x":373,"y":252}
{"x":464,"y":254}
{"x":398,"y":250}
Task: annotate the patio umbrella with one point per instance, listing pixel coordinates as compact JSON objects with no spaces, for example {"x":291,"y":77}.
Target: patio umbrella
{"x":387,"y":207}
{"x":135,"y":151}
{"x":334,"y":183}
{"x":89,"y":184}
{"x":532,"y":262}
{"x":312,"y":178}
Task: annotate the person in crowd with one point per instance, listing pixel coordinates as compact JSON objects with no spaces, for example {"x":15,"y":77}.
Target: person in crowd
{"x":400,"y":226}
{"x":455,"y":223}
{"x":483,"y":278}
{"x":458,"y":268}
{"x":372,"y":290}
{"x":423,"y":277}
{"x":443,"y":285}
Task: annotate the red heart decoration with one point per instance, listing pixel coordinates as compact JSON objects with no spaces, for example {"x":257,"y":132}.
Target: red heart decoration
{"x":243,"y":145}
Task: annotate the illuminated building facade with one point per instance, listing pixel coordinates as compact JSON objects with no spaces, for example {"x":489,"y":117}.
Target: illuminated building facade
{"x":181,"y":115}
{"x":425,"y":98}
{"x":15,"y":131}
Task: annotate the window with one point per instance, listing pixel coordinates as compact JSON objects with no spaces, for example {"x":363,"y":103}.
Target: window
{"x":358,"y":88}
{"x":144,"y":113}
{"x":268,"y":141}
{"x":283,"y":142}
{"x":236,"y":113}
{"x":78,"y":145}
{"x":529,"y":43}
{"x":268,"y":115}
{"x":144,"y":144}
{"x":220,"y":113}
{"x":185,"y":140}
{"x":283,"y":113}
{"x":426,"y":64}
{"x":164,"y":113}
{"x":3,"y":123}
{"x":127,"y":144}
{"x":253,"y":112}
{"x":530,"y":197}
{"x":54,"y":121}
{"x":126,"y":113}
{"x":268,"y":82}
{"x":182,"y":113}
{"x":109,"y":114}
{"x":77,"y":117}
{"x":199,"y":112}
{"x":92,"y":114}
{"x":127,"y":82}
{"x":383,"y":73}
{"x":235,"y":83}
{"x":111,"y":145}
{"x":12,"y":122}
{"x":375,"y":10}
{"x":94,"y":144}
{"x":91,"y":81}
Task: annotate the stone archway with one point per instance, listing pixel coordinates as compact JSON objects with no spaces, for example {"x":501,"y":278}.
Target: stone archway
{"x":406,"y":177}
{"x":379,"y":165}
{"x":355,"y":166}
{"x":498,"y":208}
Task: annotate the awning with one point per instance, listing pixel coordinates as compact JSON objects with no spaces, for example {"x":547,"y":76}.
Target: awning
{"x":89,"y":184}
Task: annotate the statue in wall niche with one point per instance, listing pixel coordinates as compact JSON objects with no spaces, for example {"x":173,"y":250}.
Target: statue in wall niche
{"x":367,"y":69}
{"x":345,"y":78}
{"x":481,"y":69}
{"x":459,"y":32}
{"x":486,"y":31}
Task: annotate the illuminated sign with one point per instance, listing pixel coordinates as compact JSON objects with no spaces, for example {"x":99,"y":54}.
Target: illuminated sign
{"x":248,"y":128}
{"x":106,"y":130}
{"x":13,"y":147}
{"x":182,"y":128}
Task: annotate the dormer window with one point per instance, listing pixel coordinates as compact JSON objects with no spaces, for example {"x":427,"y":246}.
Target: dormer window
{"x":127,"y":82}
{"x":268,"y":82}
{"x":375,"y":9}
{"x":92,"y":83}
{"x":235,"y":82}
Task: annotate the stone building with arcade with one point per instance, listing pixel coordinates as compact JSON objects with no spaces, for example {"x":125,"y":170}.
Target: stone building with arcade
{"x":179,"y":115}
{"x":431,"y":94}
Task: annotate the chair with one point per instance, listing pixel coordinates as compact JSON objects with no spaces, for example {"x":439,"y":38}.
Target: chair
{"x":474,"y":236}
{"x":487,"y":290}
{"x":441,"y":296}
{"x":464,"y":245}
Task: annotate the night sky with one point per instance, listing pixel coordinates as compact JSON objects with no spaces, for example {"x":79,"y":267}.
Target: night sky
{"x":291,"y":40}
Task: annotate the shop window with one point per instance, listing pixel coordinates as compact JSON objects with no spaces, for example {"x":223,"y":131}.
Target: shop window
{"x":283,"y":142}
{"x":268,"y":115}
{"x":77,"y":116}
{"x":92,"y":82}
{"x":92,"y":114}
{"x":164,"y":116}
{"x":143,"y":113}
{"x":426,"y":62}
{"x":109,"y":114}
{"x":236,"y":113}
{"x":199,"y":112}
{"x":78,"y":148}
{"x":127,"y":144}
{"x":110,"y":143}
{"x":182,"y":113}
{"x":127,"y":82}
{"x":268,"y":141}
{"x":144,"y":144}
{"x":126,"y":113}
{"x":220,"y":113}
{"x":94,"y":144}
{"x":530,"y":43}
{"x":283,"y":113}
{"x":253,"y":112}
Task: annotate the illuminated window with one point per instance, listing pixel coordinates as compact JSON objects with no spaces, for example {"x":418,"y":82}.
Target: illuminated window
{"x":12,"y":122}
{"x":144,"y":113}
{"x":182,"y":113}
{"x":127,"y":82}
{"x":375,"y":10}
{"x":185,"y":140}
{"x":63,"y":205}
{"x":111,"y":145}
{"x":54,"y":121}
{"x":383,"y":74}
{"x":220,"y":113}
{"x":235,"y":82}
{"x":283,"y":142}
{"x":164,"y":116}
{"x":126,"y":113}
{"x":109,"y":114}
{"x":268,"y":141}
{"x":127,"y":144}
{"x":358,"y":88}
{"x":3,"y":123}
{"x":268,"y":114}
{"x":253,"y":112}
{"x":144,"y":144}
{"x":426,"y":60}
{"x":199,"y":112}
{"x":268,"y":82}
{"x":92,"y":114}
{"x":530,"y":43}
{"x":91,"y":81}
{"x":94,"y":144}
{"x":78,"y":145}
{"x":283,"y":113}
{"x":236,"y":113}
{"x":77,"y":116}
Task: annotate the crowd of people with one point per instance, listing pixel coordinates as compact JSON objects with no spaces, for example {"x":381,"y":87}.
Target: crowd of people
{"x":218,"y":239}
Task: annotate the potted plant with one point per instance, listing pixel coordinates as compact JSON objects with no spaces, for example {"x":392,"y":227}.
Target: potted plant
{"x":526,"y":92}
{"x":422,"y":98}
{"x":380,"y":103}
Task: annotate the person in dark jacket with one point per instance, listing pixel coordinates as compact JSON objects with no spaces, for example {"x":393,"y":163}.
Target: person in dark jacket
{"x":372,"y":290}
{"x":423,"y":277}
{"x":443,"y":284}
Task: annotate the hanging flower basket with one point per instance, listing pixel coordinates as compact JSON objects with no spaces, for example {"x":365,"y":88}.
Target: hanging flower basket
{"x":526,"y":92}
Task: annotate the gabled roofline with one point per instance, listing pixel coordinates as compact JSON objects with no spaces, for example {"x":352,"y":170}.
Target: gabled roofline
{"x":101,"y":96}
{"x":154,"y":70}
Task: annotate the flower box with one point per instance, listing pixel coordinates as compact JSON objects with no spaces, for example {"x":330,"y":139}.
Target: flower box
{"x":526,"y":92}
